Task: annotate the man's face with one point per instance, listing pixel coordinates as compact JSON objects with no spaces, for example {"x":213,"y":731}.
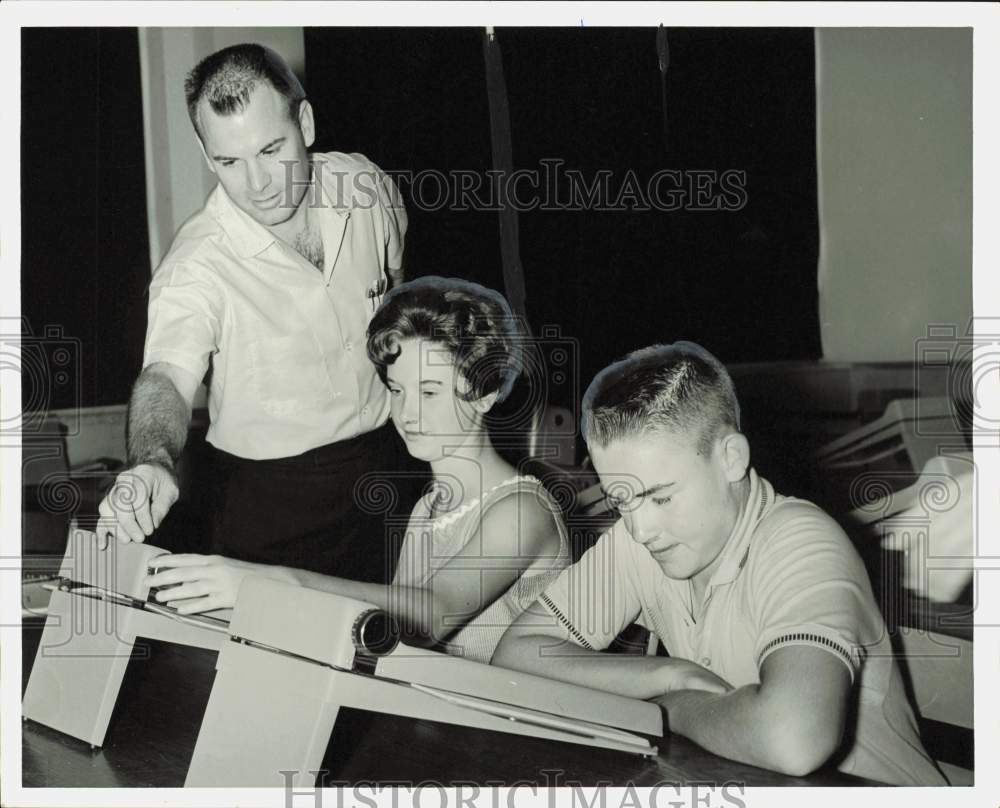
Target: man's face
{"x":260,"y":154}
{"x":681,"y":506}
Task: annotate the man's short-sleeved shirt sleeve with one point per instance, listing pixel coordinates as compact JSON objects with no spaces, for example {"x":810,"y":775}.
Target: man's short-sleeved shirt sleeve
{"x":393,"y":218}
{"x":185,"y":318}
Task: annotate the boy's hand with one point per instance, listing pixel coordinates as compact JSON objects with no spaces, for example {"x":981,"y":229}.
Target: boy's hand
{"x":682,"y":674}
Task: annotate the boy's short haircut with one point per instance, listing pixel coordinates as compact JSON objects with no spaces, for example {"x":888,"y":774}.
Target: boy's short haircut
{"x":678,"y":388}
{"x":474,"y":324}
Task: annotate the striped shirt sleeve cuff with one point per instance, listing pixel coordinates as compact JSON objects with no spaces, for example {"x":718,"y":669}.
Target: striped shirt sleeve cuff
{"x":575,"y":635}
{"x":844,"y":651}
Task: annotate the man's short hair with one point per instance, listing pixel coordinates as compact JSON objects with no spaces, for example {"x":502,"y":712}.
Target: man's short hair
{"x":474,"y":324}
{"x":227,"y":78}
{"x":679,"y":388}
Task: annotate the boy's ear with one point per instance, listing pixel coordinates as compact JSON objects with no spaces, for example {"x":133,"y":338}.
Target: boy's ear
{"x":735,"y":456}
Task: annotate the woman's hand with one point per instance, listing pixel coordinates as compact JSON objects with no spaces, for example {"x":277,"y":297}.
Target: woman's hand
{"x":200,"y":583}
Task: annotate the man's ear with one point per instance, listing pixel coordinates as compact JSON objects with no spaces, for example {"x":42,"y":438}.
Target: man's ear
{"x":201,"y":147}
{"x":306,"y":123}
{"x":735,"y":456}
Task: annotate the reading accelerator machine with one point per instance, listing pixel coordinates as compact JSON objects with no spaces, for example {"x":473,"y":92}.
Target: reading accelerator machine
{"x":346,"y":654}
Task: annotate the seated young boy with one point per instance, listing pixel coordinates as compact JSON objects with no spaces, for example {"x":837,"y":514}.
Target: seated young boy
{"x":779,"y":656}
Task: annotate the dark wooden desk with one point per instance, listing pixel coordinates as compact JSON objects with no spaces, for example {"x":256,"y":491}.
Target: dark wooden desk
{"x":155,"y":724}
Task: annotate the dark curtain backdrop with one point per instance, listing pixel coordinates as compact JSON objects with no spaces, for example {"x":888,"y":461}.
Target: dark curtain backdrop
{"x":743,"y":283}
{"x":84,"y":235}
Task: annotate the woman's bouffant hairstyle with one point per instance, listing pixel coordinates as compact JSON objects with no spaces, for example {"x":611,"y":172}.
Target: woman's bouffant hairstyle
{"x":473,"y":323}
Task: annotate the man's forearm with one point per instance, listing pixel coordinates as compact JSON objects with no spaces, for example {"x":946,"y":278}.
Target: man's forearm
{"x":158,"y":419}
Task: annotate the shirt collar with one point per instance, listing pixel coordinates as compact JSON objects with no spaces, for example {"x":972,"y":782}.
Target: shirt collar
{"x":737,"y":549}
{"x":334,"y":188}
{"x":250,"y":238}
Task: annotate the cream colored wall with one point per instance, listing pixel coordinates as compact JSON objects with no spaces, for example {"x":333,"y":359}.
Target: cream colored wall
{"x":894,"y":154}
{"x":177,"y":180}
{"x":94,"y":432}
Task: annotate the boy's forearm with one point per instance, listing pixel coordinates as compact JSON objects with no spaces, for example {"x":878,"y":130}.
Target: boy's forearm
{"x":739,"y":725}
{"x":158,"y":419}
{"x":564,"y":661}
{"x":726,"y":724}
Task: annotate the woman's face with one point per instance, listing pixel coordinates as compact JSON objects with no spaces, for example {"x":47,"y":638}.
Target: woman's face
{"x":431,"y":418}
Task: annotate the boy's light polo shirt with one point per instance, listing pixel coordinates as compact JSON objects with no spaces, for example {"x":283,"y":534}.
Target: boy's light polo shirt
{"x":286,"y":342}
{"x":788,"y":576}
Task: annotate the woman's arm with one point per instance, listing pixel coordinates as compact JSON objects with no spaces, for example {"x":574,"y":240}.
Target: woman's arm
{"x":512,"y":533}
{"x":200,"y":583}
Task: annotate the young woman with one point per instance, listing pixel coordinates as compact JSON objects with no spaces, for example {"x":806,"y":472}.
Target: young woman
{"x":484,"y":541}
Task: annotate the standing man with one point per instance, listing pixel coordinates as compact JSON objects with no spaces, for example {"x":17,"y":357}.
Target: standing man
{"x":269,"y":288}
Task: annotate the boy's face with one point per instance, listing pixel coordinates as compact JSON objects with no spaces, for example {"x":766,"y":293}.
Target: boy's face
{"x":680,"y":505}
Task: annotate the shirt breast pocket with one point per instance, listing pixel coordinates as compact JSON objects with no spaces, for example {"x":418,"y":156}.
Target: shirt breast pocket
{"x":375,"y":292}
{"x":288,"y":375}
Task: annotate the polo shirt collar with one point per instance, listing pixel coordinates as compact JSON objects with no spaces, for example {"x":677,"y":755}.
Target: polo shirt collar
{"x":735,"y":553}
